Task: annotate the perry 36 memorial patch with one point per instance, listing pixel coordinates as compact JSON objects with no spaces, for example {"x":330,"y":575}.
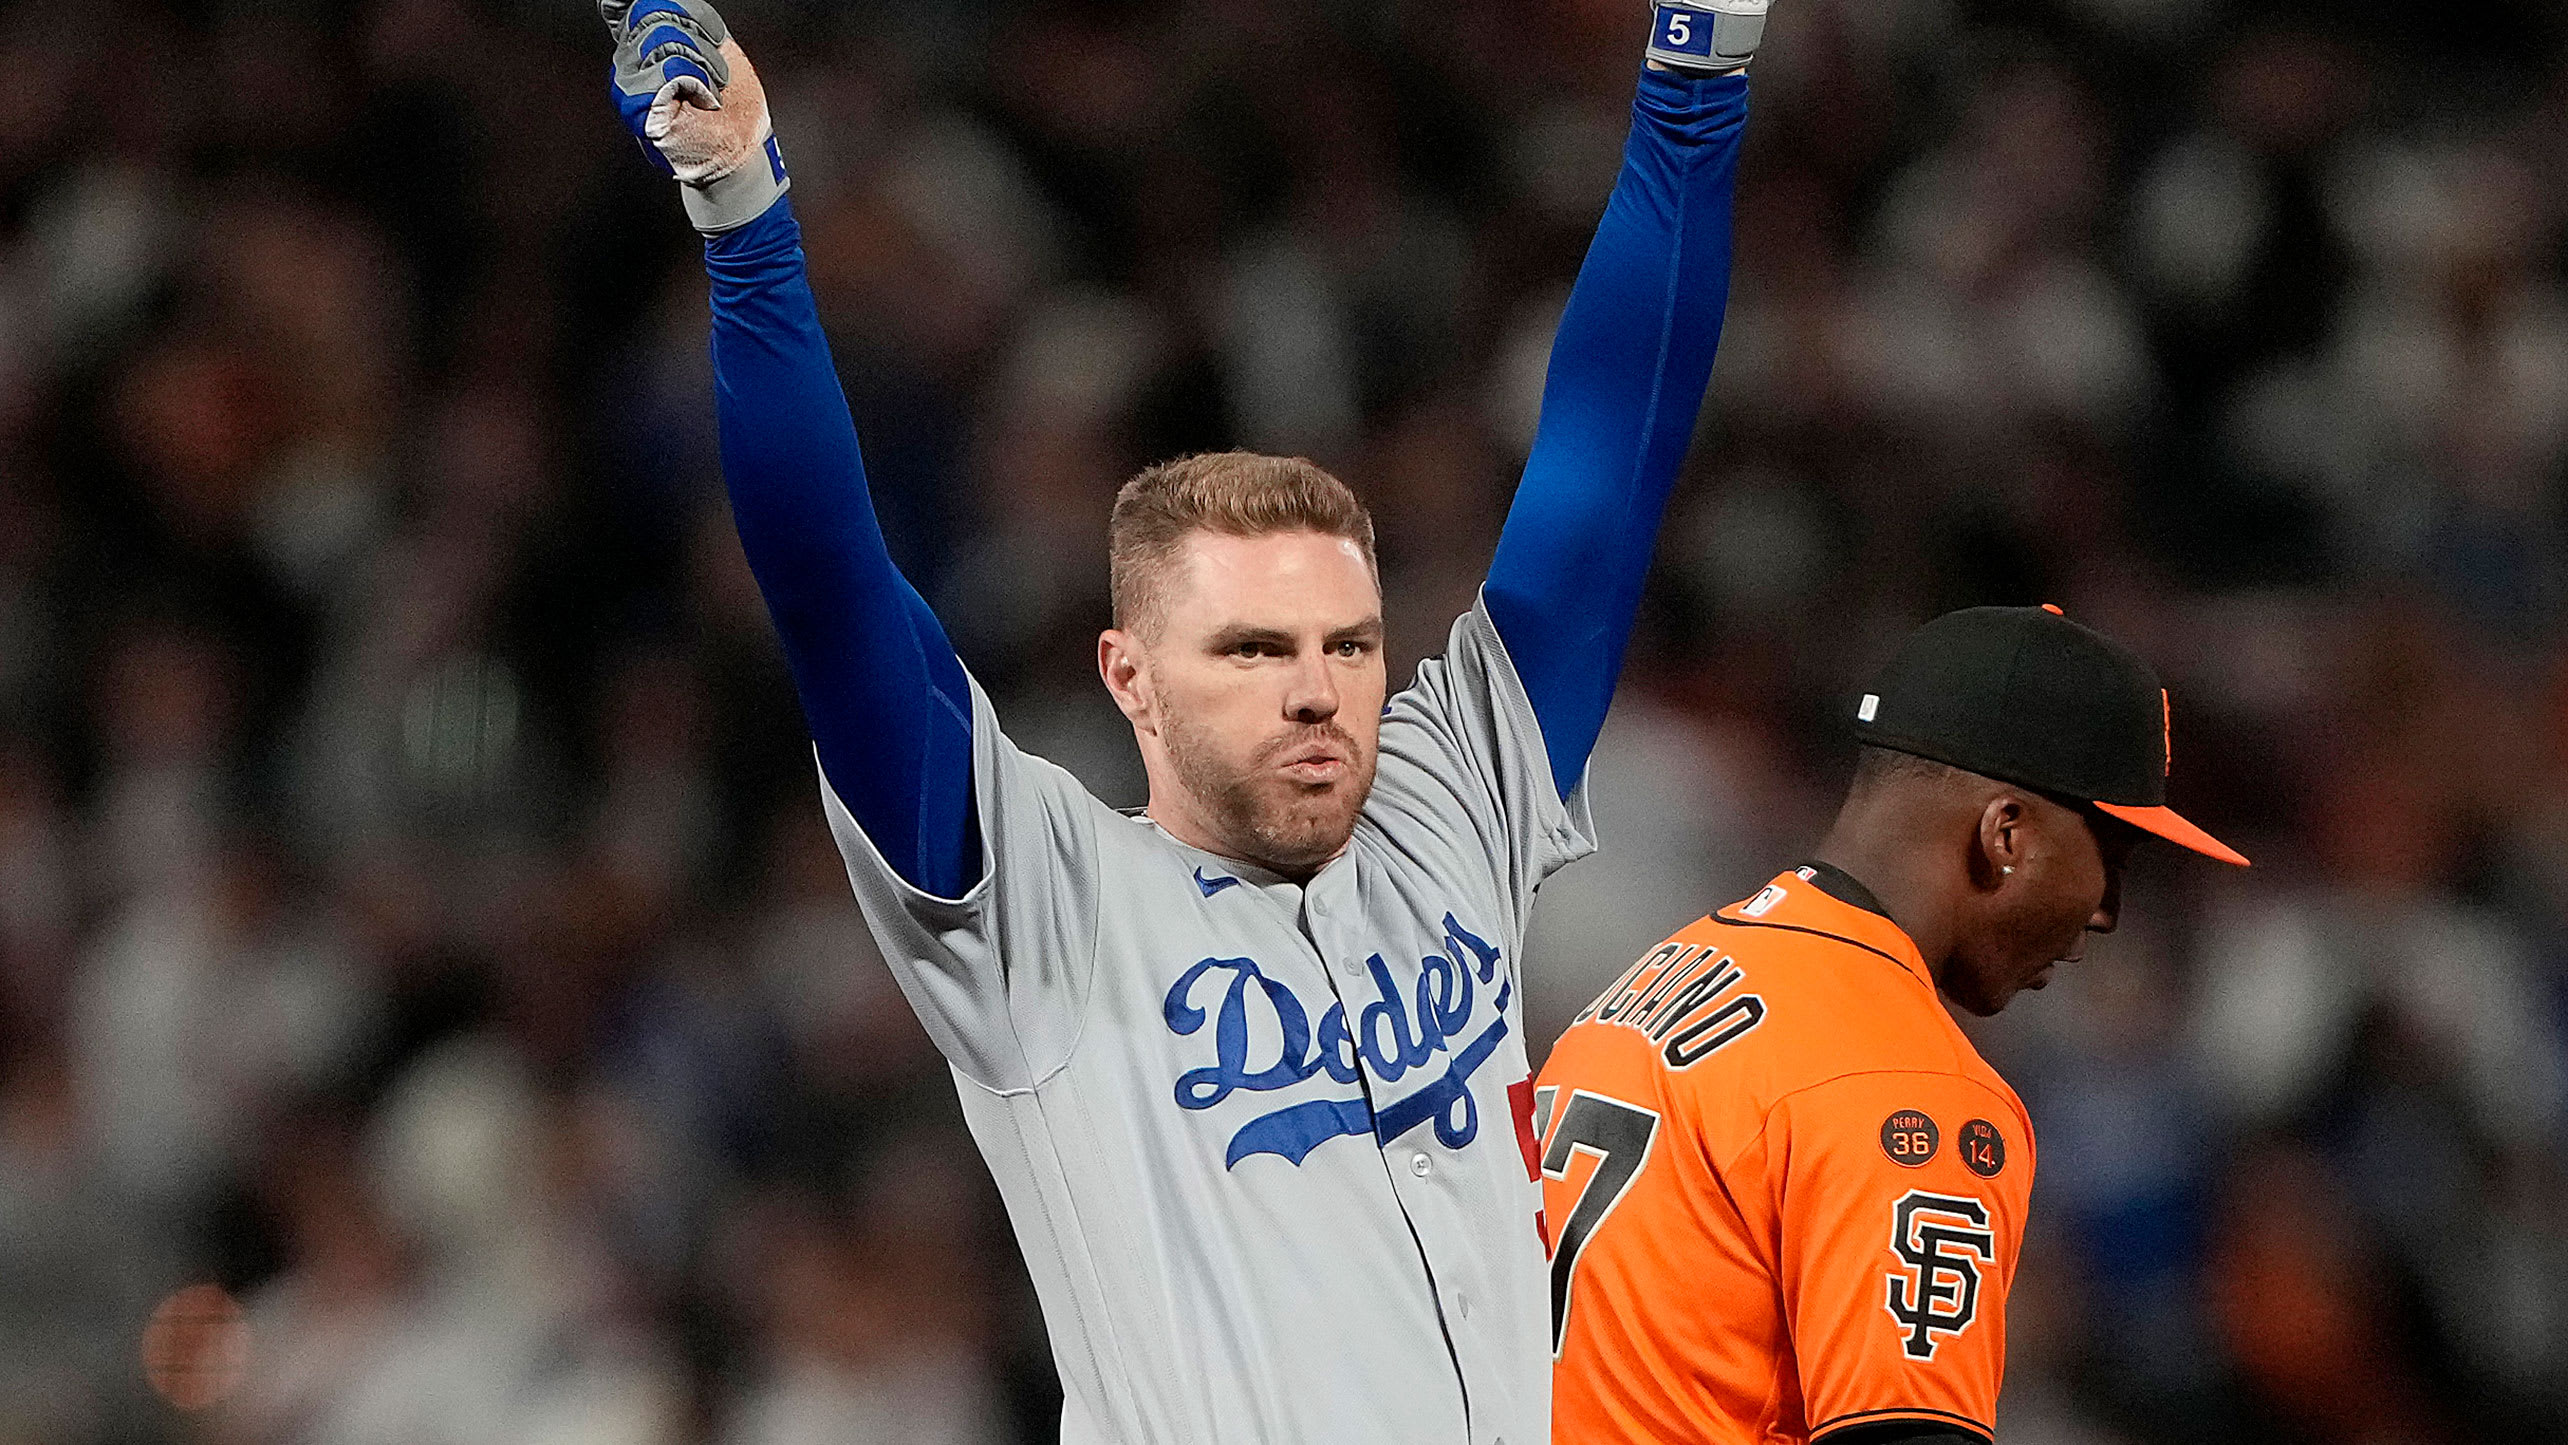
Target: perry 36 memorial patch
{"x":1910,"y":1138}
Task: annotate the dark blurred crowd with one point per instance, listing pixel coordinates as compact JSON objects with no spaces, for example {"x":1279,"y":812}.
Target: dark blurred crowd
{"x":415,"y":911}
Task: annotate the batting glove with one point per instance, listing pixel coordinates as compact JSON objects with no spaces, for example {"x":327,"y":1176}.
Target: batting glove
{"x":1705,"y":37}
{"x":692,"y":98}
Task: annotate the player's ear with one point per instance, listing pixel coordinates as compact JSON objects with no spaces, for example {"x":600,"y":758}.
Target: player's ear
{"x":2004,"y":839}
{"x":1125,"y":671}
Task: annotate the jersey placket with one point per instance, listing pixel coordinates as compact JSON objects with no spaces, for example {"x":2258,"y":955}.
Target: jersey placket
{"x":1428,"y":1180}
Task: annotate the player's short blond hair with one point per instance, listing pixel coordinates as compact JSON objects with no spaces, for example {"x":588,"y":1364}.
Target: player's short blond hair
{"x":1236,"y":494}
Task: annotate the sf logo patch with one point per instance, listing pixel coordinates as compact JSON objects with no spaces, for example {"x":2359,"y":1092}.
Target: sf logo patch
{"x":1943,"y":1242}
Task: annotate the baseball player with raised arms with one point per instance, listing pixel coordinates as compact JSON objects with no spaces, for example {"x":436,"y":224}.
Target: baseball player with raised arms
{"x":1249,"y":1067}
{"x":1787,"y":1193}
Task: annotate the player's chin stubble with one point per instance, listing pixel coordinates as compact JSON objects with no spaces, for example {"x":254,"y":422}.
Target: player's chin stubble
{"x":1261,"y":815}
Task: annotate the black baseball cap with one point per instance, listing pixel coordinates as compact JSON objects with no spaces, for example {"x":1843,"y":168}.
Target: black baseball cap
{"x":2025,"y":696}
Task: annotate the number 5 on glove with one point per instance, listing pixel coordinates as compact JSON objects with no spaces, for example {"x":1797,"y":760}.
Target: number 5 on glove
{"x":1706,"y":36}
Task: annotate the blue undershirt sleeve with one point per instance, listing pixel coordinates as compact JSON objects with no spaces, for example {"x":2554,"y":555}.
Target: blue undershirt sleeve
{"x":1628,"y":373}
{"x":885,"y":696}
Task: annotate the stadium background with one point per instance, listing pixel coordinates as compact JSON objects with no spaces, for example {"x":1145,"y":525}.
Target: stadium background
{"x":414,"y":910}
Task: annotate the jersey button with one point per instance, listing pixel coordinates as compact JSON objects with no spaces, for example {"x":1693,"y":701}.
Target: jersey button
{"x":1421,"y":1165}
{"x":1462,"y":1305}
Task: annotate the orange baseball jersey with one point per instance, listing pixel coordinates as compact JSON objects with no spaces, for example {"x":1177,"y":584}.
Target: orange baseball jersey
{"x":1783,"y":1192}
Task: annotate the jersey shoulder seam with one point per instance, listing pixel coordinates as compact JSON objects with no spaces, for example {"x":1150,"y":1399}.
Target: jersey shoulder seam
{"x":1765,"y":1120}
{"x":1806,"y":930}
{"x":1087,"y":983}
{"x":1088,"y":976}
{"x":1087,"y":805}
{"x":1431,"y":708}
{"x":1960,"y":1058}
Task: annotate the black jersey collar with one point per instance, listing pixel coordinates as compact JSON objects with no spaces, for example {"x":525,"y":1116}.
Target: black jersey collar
{"x":1843,"y":886}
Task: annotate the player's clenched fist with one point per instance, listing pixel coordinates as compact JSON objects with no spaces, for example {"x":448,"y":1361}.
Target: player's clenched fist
{"x":691,"y":96}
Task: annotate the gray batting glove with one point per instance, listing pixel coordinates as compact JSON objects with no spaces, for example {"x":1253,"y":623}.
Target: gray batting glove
{"x":1705,"y":37}
{"x":689,"y":94}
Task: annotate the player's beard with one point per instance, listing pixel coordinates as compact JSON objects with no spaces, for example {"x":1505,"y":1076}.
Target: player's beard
{"x":1261,"y":815}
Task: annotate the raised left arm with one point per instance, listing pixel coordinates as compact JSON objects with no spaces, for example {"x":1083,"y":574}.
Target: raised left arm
{"x":1628,"y":373}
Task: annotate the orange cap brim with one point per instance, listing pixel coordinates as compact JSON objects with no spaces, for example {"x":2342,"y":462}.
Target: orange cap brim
{"x":2168,"y":825}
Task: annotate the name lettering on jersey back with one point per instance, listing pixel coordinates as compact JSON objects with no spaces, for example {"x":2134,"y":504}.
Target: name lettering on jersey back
{"x":1685,"y":998}
{"x":1264,"y":1041}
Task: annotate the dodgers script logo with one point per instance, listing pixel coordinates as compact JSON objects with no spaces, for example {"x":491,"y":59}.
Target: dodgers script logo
{"x":1392,"y":1034}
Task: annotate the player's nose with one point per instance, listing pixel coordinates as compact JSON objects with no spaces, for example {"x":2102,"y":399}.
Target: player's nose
{"x":1313,"y":695}
{"x":2108,"y":910}
{"x":2107,"y":913}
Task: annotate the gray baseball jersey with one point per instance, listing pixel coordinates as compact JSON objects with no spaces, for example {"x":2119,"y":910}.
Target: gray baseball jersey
{"x":1267,"y":1147}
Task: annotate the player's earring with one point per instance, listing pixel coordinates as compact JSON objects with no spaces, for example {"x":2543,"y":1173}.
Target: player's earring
{"x":2006,"y":868}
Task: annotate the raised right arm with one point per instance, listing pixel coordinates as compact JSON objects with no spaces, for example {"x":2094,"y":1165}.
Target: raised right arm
{"x":882,"y":691}
{"x":888,"y":705}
